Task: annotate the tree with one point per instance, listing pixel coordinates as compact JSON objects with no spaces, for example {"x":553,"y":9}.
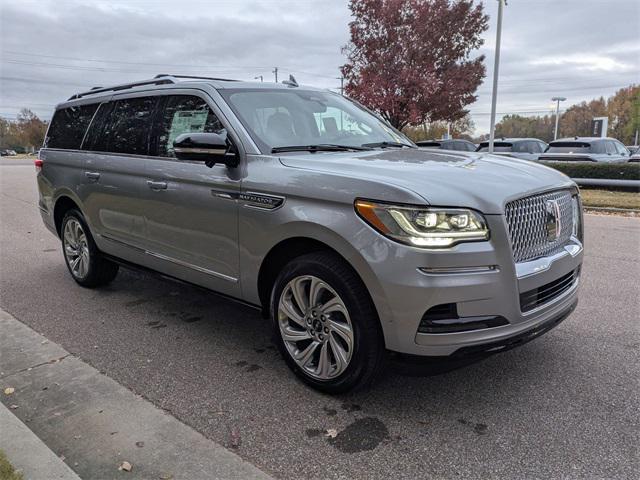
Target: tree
{"x":410,"y":60}
{"x":623,"y":110}
{"x":31,"y":130}
{"x":462,"y":128}
{"x":576,"y":121}
{"x":521,"y":127}
{"x":24,"y":134}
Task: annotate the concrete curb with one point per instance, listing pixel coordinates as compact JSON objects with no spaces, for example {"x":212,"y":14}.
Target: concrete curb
{"x":27,"y":453}
{"x":96,"y":423}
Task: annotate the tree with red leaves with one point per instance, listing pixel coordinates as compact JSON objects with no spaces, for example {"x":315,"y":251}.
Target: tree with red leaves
{"x":410,"y":60}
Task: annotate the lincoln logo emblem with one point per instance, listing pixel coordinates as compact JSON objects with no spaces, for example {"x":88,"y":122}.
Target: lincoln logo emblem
{"x":553,"y":224}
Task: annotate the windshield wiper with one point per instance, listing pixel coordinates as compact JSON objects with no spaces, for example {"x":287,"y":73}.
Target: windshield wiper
{"x":386,"y":145}
{"x":323,"y":147}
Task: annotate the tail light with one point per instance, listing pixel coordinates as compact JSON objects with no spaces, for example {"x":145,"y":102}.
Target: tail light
{"x":38,"y":163}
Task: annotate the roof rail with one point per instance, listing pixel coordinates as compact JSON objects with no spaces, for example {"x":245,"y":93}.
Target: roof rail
{"x":160,"y":79}
{"x":196,"y":77}
{"x":163,"y":80}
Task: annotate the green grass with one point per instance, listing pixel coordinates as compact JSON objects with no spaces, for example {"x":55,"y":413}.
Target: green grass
{"x":610,"y":198}
{"x":7,"y":472}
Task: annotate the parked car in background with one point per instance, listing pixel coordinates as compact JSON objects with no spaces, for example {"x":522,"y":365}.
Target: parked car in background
{"x":586,"y":149}
{"x":635,"y":156}
{"x":8,"y":153}
{"x":523,"y":148}
{"x":633,"y":149}
{"x":449,"y":144}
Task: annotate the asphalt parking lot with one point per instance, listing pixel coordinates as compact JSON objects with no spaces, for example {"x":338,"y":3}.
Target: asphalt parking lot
{"x":563,"y":406}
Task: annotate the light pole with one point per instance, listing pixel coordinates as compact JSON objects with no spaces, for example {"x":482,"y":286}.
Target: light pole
{"x":259,"y":77}
{"x":496,"y":67}
{"x":275,"y":72}
{"x":557,"y":100}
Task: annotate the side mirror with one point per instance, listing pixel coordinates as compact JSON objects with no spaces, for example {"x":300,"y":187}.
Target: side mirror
{"x":210,"y":148}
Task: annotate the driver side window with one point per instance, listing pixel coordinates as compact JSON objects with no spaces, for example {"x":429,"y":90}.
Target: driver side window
{"x":184,"y":114}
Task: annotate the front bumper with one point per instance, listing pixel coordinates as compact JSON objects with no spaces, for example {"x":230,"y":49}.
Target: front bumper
{"x":482,"y":280}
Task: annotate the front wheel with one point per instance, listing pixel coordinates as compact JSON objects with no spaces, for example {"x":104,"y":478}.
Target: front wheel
{"x":84,"y":261}
{"x":325,"y":324}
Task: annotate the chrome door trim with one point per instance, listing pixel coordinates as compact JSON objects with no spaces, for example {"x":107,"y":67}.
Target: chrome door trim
{"x":191,"y":266}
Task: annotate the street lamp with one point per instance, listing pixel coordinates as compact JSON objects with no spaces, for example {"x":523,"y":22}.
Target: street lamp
{"x":496,"y":66}
{"x":557,"y":100}
{"x":259,"y":77}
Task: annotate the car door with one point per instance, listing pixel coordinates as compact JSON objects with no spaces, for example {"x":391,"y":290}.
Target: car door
{"x":190,"y":209}
{"x":114,"y":173}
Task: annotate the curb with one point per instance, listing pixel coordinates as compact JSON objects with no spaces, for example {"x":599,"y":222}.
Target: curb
{"x":94,"y":422}
{"x":628,"y":211}
{"x":27,"y":453}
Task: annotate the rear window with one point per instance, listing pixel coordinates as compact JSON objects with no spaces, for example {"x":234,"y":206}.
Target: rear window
{"x":68,"y":126}
{"x":497,"y":147}
{"x":569,"y":147}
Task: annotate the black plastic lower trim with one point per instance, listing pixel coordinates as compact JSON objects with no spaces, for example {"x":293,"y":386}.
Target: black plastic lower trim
{"x":517,"y":340}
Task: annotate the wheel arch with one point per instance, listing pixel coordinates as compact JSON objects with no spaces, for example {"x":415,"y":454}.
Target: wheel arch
{"x":62,"y":205}
{"x":289,"y":248}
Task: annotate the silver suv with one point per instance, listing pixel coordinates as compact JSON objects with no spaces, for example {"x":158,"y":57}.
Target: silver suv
{"x":313,"y":209}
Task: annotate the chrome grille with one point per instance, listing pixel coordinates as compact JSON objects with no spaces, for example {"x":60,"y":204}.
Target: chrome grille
{"x":527,"y":224}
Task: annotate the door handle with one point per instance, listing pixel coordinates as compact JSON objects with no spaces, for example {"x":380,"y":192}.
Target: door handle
{"x":157,"y":185}
{"x":92,"y":175}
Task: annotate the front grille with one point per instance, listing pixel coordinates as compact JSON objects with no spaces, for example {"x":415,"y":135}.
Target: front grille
{"x":527,"y":223}
{"x":541,"y":295}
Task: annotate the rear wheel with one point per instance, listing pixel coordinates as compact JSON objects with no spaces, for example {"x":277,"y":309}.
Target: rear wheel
{"x":85,"y":263}
{"x":325,"y":324}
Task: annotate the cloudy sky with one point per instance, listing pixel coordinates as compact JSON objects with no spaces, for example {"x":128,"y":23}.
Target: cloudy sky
{"x":50,"y":49}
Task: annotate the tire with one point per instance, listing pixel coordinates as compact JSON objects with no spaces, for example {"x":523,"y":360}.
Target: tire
{"x":347,"y":304}
{"x":81,"y":255}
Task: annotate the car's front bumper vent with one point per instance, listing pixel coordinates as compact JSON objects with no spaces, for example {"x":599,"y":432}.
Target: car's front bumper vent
{"x":545,"y":293}
{"x":444,"y":319}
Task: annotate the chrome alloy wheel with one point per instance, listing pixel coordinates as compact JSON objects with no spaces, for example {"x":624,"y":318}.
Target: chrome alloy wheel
{"x":315,"y":327}
{"x":76,"y":248}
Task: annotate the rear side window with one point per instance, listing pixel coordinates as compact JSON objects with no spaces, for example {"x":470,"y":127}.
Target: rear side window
{"x":127,"y":127}
{"x":184,"y":114}
{"x":68,"y":126}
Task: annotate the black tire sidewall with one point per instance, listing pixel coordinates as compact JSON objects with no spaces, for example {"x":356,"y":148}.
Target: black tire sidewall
{"x":367,"y":335}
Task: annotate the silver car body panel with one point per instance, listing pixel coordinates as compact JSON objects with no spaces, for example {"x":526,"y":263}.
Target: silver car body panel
{"x":214,"y":226}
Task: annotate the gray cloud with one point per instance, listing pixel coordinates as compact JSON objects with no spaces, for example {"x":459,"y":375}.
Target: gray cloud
{"x":576,"y":48}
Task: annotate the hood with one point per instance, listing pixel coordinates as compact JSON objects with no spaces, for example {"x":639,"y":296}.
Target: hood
{"x":453,"y":179}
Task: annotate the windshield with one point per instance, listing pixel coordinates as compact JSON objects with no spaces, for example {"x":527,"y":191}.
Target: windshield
{"x":279,"y":118}
{"x":569,"y":147}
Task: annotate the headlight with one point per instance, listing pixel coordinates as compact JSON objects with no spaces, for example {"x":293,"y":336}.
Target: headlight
{"x":424,"y":226}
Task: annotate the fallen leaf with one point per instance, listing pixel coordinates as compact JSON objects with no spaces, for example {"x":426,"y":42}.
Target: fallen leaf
{"x":13,"y":407}
{"x":125,"y":466}
{"x":140,"y":444}
{"x":331,"y":433}
{"x":234,"y":439}
{"x":9,"y":390}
